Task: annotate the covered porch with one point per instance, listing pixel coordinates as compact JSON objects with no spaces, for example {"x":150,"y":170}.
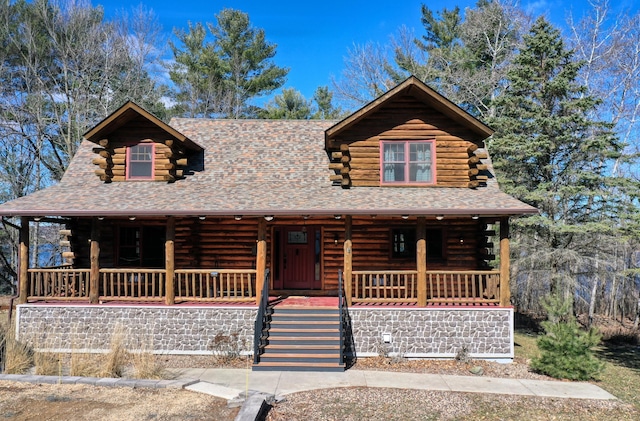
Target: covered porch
{"x":338,"y":245}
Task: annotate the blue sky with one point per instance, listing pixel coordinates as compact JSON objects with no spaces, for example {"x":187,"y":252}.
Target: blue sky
{"x":313,"y":36}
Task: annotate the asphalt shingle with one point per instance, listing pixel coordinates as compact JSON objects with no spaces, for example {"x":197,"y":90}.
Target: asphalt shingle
{"x":252,"y":167}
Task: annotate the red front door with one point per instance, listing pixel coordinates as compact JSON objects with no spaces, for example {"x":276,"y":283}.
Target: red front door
{"x":297,"y":258}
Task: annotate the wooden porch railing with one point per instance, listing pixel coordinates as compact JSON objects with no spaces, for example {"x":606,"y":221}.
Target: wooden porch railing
{"x":464,"y":287}
{"x":215,"y":285}
{"x":442,"y":287}
{"x":137,"y":284}
{"x":58,"y":283}
{"x":132,"y":284}
{"x":385,"y":286}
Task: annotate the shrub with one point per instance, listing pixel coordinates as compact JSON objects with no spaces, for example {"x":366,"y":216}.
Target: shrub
{"x":566,"y":351}
{"x":226,"y":348}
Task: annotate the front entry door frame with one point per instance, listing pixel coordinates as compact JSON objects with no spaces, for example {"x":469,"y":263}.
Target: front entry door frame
{"x":296,"y":257}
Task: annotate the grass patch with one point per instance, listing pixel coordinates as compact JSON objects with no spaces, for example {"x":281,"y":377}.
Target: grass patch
{"x":83,"y":365}
{"x":116,"y":359}
{"x":18,"y":356}
{"x":621,"y":375}
{"x":525,"y":345}
{"x":47,"y":364}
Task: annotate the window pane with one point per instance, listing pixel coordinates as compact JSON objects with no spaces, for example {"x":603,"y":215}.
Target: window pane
{"x":139,"y":169}
{"x":403,"y":243}
{"x":140,"y":164}
{"x":394,"y":172}
{"x":394,"y":162}
{"x":420,"y":162}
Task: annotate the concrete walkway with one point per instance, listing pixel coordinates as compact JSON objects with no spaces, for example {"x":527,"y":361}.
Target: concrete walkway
{"x":230,"y":383}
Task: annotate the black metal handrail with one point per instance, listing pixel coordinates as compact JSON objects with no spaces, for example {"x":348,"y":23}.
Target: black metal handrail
{"x":341,"y":299}
{"x":261,"y":318}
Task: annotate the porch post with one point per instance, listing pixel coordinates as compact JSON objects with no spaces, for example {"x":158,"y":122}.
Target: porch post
{"x":348,"y":258}
{"x":23,"y":273}
{"x":505,"y":291}
{"x":94,"y":259}
{"x":169,"y":262}
{"x":261,"y":258}
{"x":421,"y":259}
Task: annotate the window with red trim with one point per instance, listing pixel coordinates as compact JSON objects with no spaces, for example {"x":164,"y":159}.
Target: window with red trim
{"x":140,"y":161}
{"x":407,"y":162}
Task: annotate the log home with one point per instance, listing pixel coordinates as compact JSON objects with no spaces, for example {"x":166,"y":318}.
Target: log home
{"x":307,"y":242}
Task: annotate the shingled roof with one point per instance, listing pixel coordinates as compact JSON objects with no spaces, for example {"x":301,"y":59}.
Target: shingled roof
{"x":252,"y":167}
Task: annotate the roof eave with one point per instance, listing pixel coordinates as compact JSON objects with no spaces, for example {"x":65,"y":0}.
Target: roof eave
{"x":260,"y":212}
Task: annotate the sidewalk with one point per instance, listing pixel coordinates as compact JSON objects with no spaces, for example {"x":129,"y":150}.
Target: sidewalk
{"x":229,"y":383}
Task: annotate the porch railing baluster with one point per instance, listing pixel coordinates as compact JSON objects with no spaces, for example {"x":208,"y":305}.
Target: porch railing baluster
{"x":443,"y":287}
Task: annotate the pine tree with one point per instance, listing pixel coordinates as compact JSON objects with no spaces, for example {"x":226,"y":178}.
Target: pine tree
{"x":549,"y":152}
{"x":566,"y":350}
{"x":218,"y":77}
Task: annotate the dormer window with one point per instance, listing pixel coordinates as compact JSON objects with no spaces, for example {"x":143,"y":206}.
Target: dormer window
{"x":140,"y":161}
{"x":407,"y":162}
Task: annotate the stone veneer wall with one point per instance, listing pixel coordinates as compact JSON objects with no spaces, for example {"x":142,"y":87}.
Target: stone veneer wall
{"x":414,"y":332}
{"x":192,"y":330}
{"x":433,"y":332}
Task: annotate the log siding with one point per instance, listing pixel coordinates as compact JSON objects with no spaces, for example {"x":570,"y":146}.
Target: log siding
{"x":355,"y":153}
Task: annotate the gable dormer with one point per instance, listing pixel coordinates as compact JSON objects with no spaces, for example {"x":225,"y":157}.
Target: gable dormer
{"x":411,"y":137}
{"x":134,"y":145}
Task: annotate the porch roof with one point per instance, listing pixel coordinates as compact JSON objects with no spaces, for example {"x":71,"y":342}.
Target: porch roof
{"x":252,"y":167}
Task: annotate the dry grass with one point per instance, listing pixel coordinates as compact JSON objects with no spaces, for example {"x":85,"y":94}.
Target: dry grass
{"x":18,"y":356}
{"x":146,"y":365}
{"x":115,"y":361}
{"x":83,"y":365}
{"x":47,"y":364}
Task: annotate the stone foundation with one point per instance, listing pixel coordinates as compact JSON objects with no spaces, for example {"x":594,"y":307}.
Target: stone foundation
{"x":433,"y":332}
{"x":200,"y":330}
{"x":196,"y":330}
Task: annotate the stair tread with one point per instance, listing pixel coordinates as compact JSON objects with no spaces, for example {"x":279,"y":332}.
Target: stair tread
{"x":304,"y":338}
{"x":302,"y":346}
{"x":298,"y":364}
{"x":295,"y":356}
{"x":283,"y":329}
{"x":306,"y":322}
{"x":305,"y":314}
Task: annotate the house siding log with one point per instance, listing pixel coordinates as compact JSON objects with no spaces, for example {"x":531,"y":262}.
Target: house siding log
{"x":169,"y":159}
{"x":406,"y":118}
{"x":228,"y":244}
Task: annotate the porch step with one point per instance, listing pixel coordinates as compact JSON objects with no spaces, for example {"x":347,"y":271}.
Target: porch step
{"x":302,"y":347}
{"x":296,"y":366}
{"x":291,"y":341}
{"x":328,"y":332}
{"x":302,"y":339}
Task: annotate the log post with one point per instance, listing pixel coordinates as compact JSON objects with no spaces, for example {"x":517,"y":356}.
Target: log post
{"x":505,"y":291}
{"x":169,"y":262}
{"x":23,"y":273}
{"x":421,"y":260}
{"x":94,"y":259}
{"x":348,"y":258}
{"x":261,"y":258}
